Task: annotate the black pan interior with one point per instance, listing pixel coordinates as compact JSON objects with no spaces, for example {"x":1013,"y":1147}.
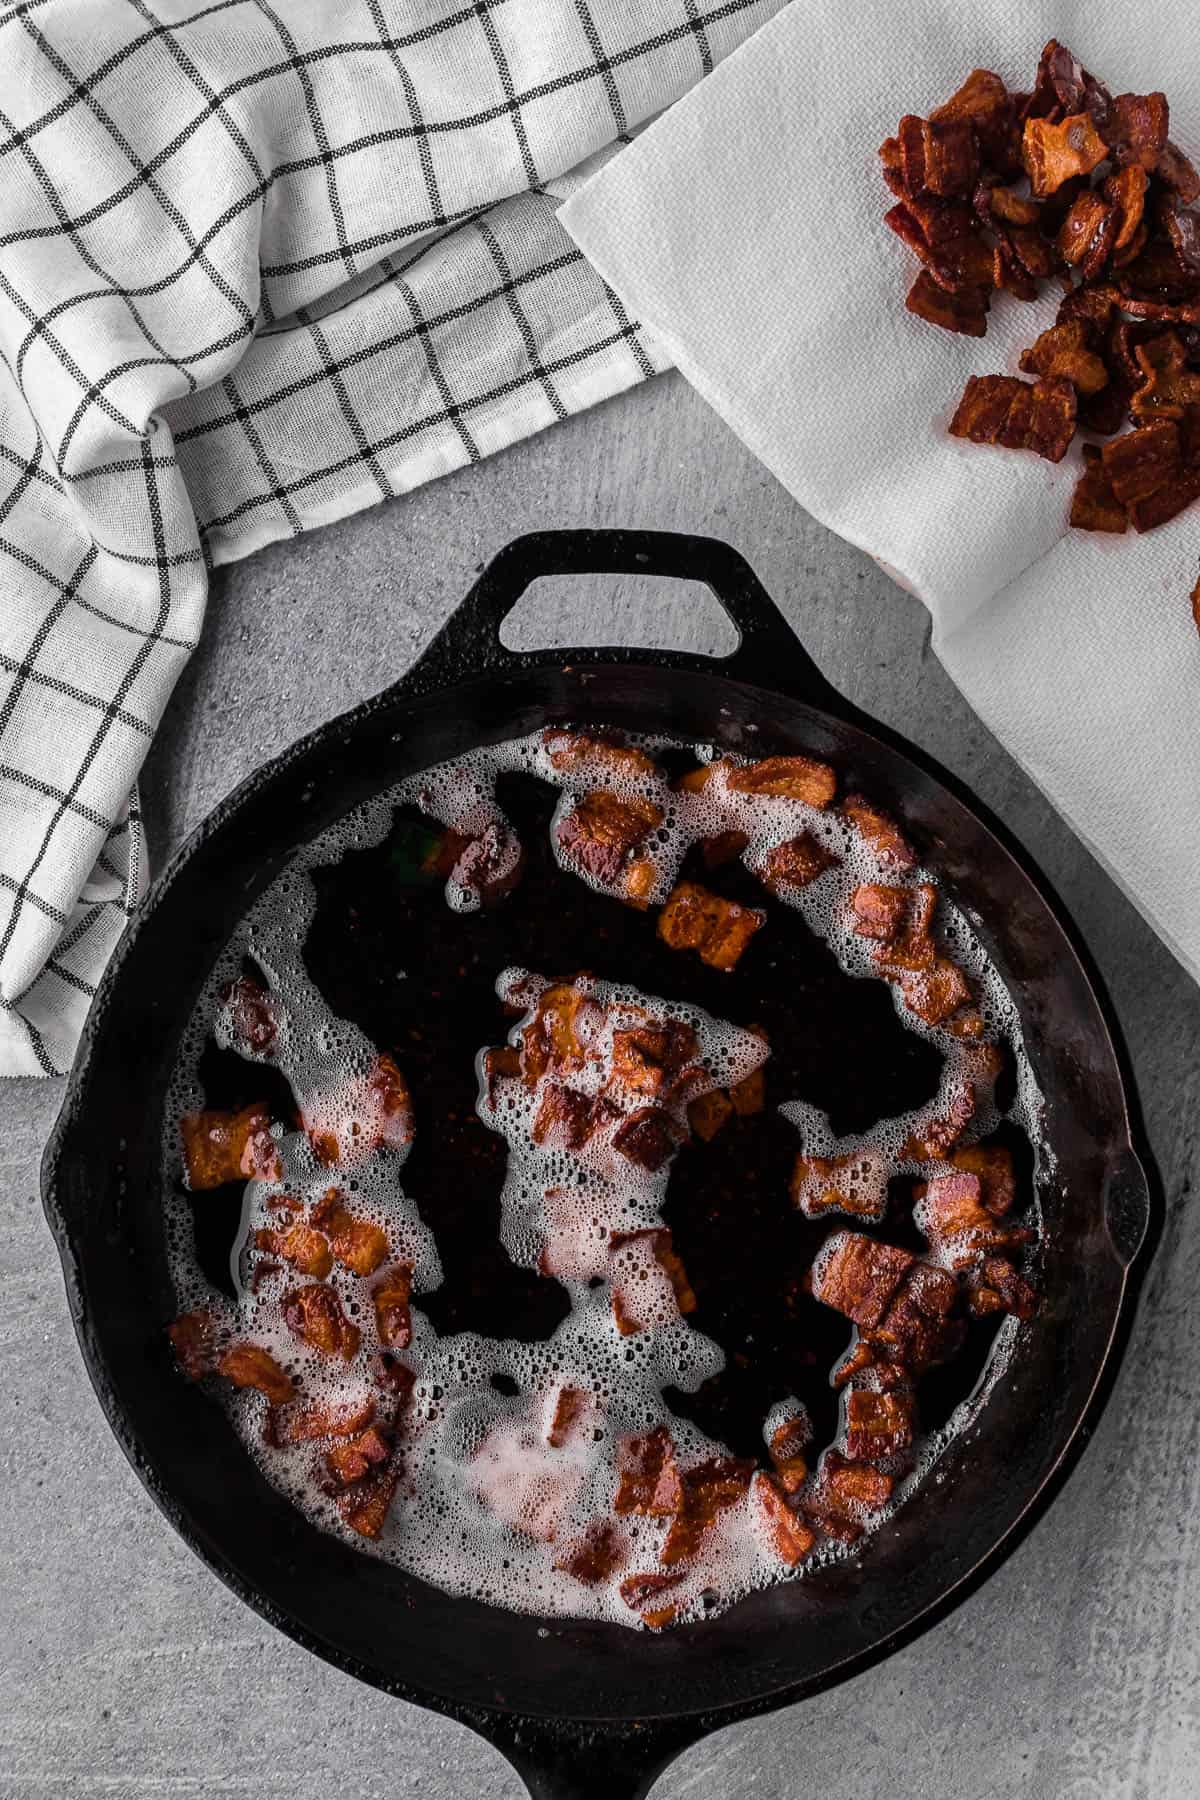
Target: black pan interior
{"x":106,"y":1205}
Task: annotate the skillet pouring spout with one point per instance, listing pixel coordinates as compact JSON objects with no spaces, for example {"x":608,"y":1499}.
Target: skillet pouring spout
{"x":584,"y":1708}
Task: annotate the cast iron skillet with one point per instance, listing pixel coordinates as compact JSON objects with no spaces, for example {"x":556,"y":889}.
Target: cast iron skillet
{"x":588,"y":1708}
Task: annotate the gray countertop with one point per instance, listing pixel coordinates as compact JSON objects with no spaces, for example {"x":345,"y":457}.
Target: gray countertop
{"x":126,"y":1669}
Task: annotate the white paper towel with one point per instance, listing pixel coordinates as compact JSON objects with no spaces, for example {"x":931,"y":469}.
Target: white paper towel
{"x":746,"y":228}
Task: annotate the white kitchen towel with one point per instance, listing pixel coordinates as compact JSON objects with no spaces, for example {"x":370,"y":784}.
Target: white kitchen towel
{"x":745,"y":228}
{"x":261,"y":265}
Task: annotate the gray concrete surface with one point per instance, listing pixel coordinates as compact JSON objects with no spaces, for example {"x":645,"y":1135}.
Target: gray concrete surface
{"x":127,"y":1671}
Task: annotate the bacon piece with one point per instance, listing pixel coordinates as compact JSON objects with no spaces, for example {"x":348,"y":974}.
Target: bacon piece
{"x":877,"y":1425}
{"x":568,"y":1117}
{"x":933,"y":991}
{"x":572,"y":751}
{"x":390,"y":1297}
{"x":1060,"y":86}
{"x":708,"y":1490}
{"x":1125,"y":189}
{"x":314,"y":1315}
{"x":1063,"y":350}
{"x":500,"y":1064}
{"x":991,"y":1164}
{"x":560,"y":1035}
{"x":1137,"y":130}
{"x":879,"y":911}
{"x":356,"y":1243}
{"x":881,"y":833}
{"x":393,"y":1376}
{"x":568,"y":1411}
{"x":228,"y":1146}
{"x":749,"y":1095}
{"x":856,"y":1184}
{"x":786,"y":1450}
{"x":964,"y":312}
{"x":593,"y":1557}
{"x":250,"y":1015}
{"x":994,"y":201}
{"x":193,"y":1338}
{"x":603,"y":830}
{"x":365,"y":1113}
{"x":1168,"y":386}
{"x":364,"y":1505}
{"x":646,"y":1277}
{"x":795,"y":863}
{"x":696,"y":919}
{"x":919,"y":1328}
{"x":938,"y":156}
{"x":1177,"y":173}
{"x":357,"y":1456}
{"x":1085,"y":238}
{"x":985,"y":103}
{"x":1167,"y":502}
{"x":708,"y":1113}
{"x":1002,"y":409}
{"x":307,"y":1250}
{"x":788,"y":1535}
{"x":723,"y":847}
{"x":491,"y":863}
{"x":950,"y":1212}
{"x":859,"y":1276}
{"x":933,"y":1137}
{"x":785,"y":778}
{"x":996,"y":1287}
{"x":299,"y":1424}
{"x":1094,"y":505}
{"x":1196,"y":603}
{"x":636,"y":1590}
{"x":249,"y":1365}
{"x":637,"y":882}
{"x":650,"y":1058}
{"x":1143,"y":461}
{"x":1055,"y":152}
{"x":649,"y":1137}
{"x":648,"y":1479}
{"x":843,"y":1494}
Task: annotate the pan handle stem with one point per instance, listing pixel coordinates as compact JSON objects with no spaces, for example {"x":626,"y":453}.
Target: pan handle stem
{"x":768,"y":653}
{"x":575,"y":1762}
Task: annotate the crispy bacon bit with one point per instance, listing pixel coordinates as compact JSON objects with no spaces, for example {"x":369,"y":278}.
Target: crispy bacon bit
{"x":592,"y":1557}
{"x":750,"y":1094}
{"x":937,"y":157}
{"x":696,"y":919}
{"x":1063,"y":350}
{"x":949,"y":1210}
{"x":1143,"y":461}
{"x":855,"y":1184}
{"x":568,"y":1410}
{"x":933,"y":1137}
{"x":965,"y":312}
{"x":566,"y":1116}
{"x":1176,"y":172}
{"x":996,"y":1287}
{"x":795,"y":863}
{"x":298,"y":1424}
{"x":1055,"y":152}
{"x":1085,"y":238}
{"x":249,"y":1365}
{"x":786,"y":778}
{"x":843,"y":1493}
{"x":708,"y":1490}
{"x":880,"y":832}
{"x":250,"y":1015}
{"x":648,"y":1479}
{"x":786,"y":1450}
{"x":306,"y":1249}
{"x":1168,"y":385}
{"x":649,"y":1137}
{"x":193,"y":1337}
{"x":314,"y":1315}
{"x":357,"y":1244}
{"x":351,"y":1460}
{"x":571,"y":751}
{"x":877,"y":1425}
{"x":650,"y":1058}
{"x":642,"y":1268}
{"x":603,"y":830}
{"x":932,"y":991}
{"x":942,"y":234}
{"x":636,"y":1590}
{"x":1126,"y":190}
{"x":502,"y":1064}
{"x":919,"y":1329}
{"x":491,"y":864}
{"x":393,"y":1376}
{"x":859,"y":1276}
{"x":1094,"y":505}
{"x":879,"y":911}
{"x":723,"y":847}
{"x":228,"y":1146}
{"x":366,"y":1113}
{"x":789,"y":1536}
{"x":1138,"y":129}
{"x":985,"y":103}
{"x":390,"y":1297}
{"x":364,"y":1505}
{"x":1002,"y":409}
{"x":708,"y":1113}
{"x":991,"y":1164}
{"x":1170,"y":500}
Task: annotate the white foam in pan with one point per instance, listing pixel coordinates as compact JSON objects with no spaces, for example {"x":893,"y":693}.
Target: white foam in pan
{"x":486,"y":1506}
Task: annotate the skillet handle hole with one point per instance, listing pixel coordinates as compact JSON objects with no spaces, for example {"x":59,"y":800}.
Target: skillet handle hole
{"x":649,"y":612}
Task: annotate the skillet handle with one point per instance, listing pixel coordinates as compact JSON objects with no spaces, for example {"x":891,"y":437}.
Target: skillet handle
{"x":768,"y":653}
{"x":573,"y":1762}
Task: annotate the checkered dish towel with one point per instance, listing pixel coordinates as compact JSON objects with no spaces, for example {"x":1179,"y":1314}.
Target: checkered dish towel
{"x":260,"y":266}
